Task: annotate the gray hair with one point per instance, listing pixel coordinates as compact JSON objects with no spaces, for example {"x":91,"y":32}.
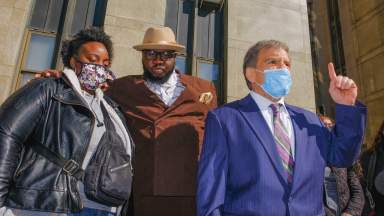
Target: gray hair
{"x":252,"y":54}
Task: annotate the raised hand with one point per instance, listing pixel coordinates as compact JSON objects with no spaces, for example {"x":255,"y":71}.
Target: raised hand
{"x":48,"y":73}
{"x":342,"y":89}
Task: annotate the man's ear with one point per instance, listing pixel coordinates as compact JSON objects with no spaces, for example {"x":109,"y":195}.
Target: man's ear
{"x":251,"y":74}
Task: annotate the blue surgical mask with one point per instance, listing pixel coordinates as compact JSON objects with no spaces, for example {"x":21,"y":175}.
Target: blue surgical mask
{"x":277,"y":82}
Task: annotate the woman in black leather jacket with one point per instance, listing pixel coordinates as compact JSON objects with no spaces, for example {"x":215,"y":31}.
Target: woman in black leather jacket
{"x":64,"y":116}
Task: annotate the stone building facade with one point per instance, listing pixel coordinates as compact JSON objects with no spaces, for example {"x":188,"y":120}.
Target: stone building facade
{"x":350,"y":33}
{"x":243,"y":23}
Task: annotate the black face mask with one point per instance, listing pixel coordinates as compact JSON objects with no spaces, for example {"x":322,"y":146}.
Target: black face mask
{"x":149,"y":76}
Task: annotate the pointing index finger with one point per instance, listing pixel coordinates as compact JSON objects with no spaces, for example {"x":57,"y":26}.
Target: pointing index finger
{"x":331,"y":71}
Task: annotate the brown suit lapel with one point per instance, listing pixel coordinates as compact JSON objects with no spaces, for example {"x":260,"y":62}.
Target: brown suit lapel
{"x":188,"y":95}
{"x":149,"y":104}
{"x":155,"y":108}
{"x":152,"y":97}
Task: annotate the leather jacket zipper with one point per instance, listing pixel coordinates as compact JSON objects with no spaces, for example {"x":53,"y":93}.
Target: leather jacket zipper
{"x":119,"y":167}
{"x":84,"y":150}
{"x":122,"y":118}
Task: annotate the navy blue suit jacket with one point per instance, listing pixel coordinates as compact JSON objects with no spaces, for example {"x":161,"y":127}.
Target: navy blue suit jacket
{"x":240,"y":170}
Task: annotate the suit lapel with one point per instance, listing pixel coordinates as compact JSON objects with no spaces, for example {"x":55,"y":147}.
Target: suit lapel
{"x":154,"y":100}
{"x":157,"y":108}
{"x":147,"y":105}
{"x":188,"y":95}
{"x":251,"y":113}
{"x":300,"y":147}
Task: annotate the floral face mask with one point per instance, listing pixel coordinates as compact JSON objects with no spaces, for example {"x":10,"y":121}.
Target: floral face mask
{"x":92,"y":75}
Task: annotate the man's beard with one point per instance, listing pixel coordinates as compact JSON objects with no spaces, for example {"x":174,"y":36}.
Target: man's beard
{"x":149,"y":76}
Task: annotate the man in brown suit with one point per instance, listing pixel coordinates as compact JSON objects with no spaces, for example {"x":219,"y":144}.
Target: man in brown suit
{"x":165,"y":112}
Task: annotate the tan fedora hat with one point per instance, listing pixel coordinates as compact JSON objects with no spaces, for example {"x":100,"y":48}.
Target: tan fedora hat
{"x":159,"y":38}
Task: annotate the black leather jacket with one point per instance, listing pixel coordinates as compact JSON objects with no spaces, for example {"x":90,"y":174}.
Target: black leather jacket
{"x":50,"y":112}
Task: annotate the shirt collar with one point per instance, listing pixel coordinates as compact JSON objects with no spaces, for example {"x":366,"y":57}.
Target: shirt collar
{"x":264,"y":103}
{"x":172,"y":81}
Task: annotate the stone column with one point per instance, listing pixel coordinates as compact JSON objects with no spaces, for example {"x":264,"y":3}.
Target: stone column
{"x":13,"y":19}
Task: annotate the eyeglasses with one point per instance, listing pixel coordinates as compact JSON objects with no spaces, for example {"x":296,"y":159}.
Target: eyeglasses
{"x":164,"y":55}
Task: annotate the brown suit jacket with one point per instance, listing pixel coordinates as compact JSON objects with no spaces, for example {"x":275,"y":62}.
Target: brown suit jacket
{"x":168,"y":141}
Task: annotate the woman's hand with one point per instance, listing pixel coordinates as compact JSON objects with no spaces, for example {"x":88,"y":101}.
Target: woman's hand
{"x":49,"y":73}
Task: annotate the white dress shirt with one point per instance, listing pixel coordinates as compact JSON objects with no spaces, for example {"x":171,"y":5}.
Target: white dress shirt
{"x":264,"y":106}
{"x":169,"y":91}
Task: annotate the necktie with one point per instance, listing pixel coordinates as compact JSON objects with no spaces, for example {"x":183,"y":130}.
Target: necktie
{"x":283,"y":143}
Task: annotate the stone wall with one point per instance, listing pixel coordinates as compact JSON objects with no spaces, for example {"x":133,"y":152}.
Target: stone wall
{"x":13,"y":17}
{"x":126,"y":21}
{"x":252,"y":20}
{"x":362,"y":24}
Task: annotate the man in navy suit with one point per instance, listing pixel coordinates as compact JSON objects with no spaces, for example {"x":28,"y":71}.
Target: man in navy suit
{"x":262,"y":156}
